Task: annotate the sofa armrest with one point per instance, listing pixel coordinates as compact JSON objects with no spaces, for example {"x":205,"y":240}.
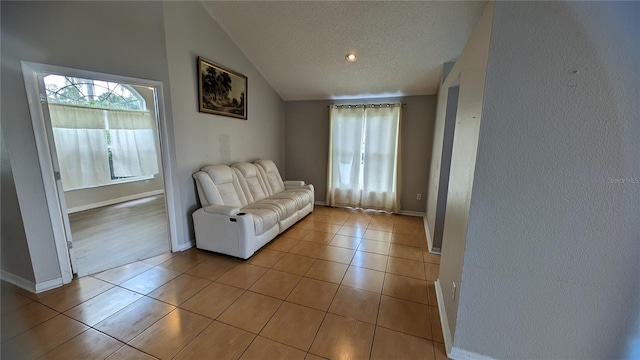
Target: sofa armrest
{"x":222,"y":210}
{"x":290,"y":184}
{"x":231,"y":235}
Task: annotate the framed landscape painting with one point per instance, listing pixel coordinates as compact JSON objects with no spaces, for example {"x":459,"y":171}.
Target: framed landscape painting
{"x":221,"y":91}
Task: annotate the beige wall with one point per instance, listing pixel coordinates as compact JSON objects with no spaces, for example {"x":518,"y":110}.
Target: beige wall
{"x":471,"y":68}
{"x":136,"y":48}
{"x":552,"y":260}
{"x":203,"y":139}
{"x":152,"y":40}
{"x":13,"y":243}
{"x":307,"y":144}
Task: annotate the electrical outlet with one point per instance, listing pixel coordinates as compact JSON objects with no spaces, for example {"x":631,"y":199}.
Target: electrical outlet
{"x":419,"y":196}
{"x":453,"y":292}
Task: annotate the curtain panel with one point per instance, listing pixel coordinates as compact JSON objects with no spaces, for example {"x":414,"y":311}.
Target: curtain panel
{"x":82,"y":145}
{"x":133,"y":143}
{"x":364,"y":148}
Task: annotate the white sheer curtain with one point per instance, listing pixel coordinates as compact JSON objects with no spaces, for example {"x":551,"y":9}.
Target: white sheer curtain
{"x":81,"y":145}
{"x":345,"y":154}
{"x":133,"y":143}
{"x":83,"y":152}
{"x":363,"y":157}
{"x":381,"y":149}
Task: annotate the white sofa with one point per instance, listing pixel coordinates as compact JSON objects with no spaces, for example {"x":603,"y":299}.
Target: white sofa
{"x":244,"y":206}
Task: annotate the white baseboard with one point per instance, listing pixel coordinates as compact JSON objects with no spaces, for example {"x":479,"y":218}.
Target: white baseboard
{"x":433,"y":250}
{"x":459,"y":354}
{"x":444,"y":320}
{"x":185,"y":246}
{"x":411,"y":213}
{"x":48,"y":285}
{"x":401,"y":212}
{"x":453,"y":352}
{"x":18,"y":281}
{"x":29,"y":285}
{"x":114,"y":201}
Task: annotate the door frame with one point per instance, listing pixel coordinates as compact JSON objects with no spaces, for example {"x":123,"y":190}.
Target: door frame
{"x":31,"y":72}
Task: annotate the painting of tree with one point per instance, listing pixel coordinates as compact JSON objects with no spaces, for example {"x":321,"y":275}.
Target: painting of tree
{"x":221,"y":91}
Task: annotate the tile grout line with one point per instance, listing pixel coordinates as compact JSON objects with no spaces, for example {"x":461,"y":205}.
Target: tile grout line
{"x":274,"y":313}
{"x":124,"y":343}
{"x":79,"y":334}
{"x":315,"y":260}
{"x":323,"y":318}
{"x":157,"y":321}
{"x":327,"y":311}
{"x":194,"y":338}
{"x":375,"y":326}
{"x":175,"y":307}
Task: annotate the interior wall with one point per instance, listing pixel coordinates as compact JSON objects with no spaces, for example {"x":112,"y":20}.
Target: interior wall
{"x":14,"y":251}
{"x":470,"y":69}
{"x":307,"y":144}
{"x":64,"y":34}
{"x":203,"y":139}
{"x":552,"y":257}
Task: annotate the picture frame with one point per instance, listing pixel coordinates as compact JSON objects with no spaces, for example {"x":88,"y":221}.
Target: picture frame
{"x":221,"y":91}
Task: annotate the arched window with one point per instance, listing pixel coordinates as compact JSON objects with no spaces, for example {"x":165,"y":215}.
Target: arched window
{"x":103,"y":132}
{"x":86,"y":92}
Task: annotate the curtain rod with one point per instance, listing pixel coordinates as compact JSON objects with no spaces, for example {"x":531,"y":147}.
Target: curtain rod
{"x":366,"y":105}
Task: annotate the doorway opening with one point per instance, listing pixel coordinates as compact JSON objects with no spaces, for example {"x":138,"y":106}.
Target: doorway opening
{"x":445,"y":163}
{"x":101,"y":138}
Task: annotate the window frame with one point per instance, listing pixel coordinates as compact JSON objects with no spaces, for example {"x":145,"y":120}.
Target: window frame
{"x":142,"y":106}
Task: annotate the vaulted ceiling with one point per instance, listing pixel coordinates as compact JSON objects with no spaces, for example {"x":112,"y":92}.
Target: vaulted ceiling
{"x":300,"y":46}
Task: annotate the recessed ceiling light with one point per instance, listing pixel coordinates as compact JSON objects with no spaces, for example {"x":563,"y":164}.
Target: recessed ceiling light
{"x":351,"y":56}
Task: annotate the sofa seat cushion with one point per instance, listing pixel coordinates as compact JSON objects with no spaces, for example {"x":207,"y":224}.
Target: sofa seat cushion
{"x":286,"y":207}
{"x":305,"y":194}
{"x":276,"y":188}
{"x":301,"y":197}
{"x":264,"y":218}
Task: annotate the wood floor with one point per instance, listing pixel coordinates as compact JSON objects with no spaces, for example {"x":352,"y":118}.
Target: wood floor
{"x":115,"y":235}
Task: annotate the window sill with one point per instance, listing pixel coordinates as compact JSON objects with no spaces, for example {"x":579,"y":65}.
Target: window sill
{"x":115,"y":182}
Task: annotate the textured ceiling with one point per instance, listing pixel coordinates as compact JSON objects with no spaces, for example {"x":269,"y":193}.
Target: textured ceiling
{"x":300,"y":46}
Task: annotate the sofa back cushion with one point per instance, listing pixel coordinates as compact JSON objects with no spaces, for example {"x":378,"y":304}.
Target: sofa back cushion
{"x":252,"y":182}
{"x":219,"y":185}
{"x":274,"y":182}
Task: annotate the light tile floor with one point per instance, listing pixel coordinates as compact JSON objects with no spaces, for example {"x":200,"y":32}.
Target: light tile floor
{"x":340,"y":284}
